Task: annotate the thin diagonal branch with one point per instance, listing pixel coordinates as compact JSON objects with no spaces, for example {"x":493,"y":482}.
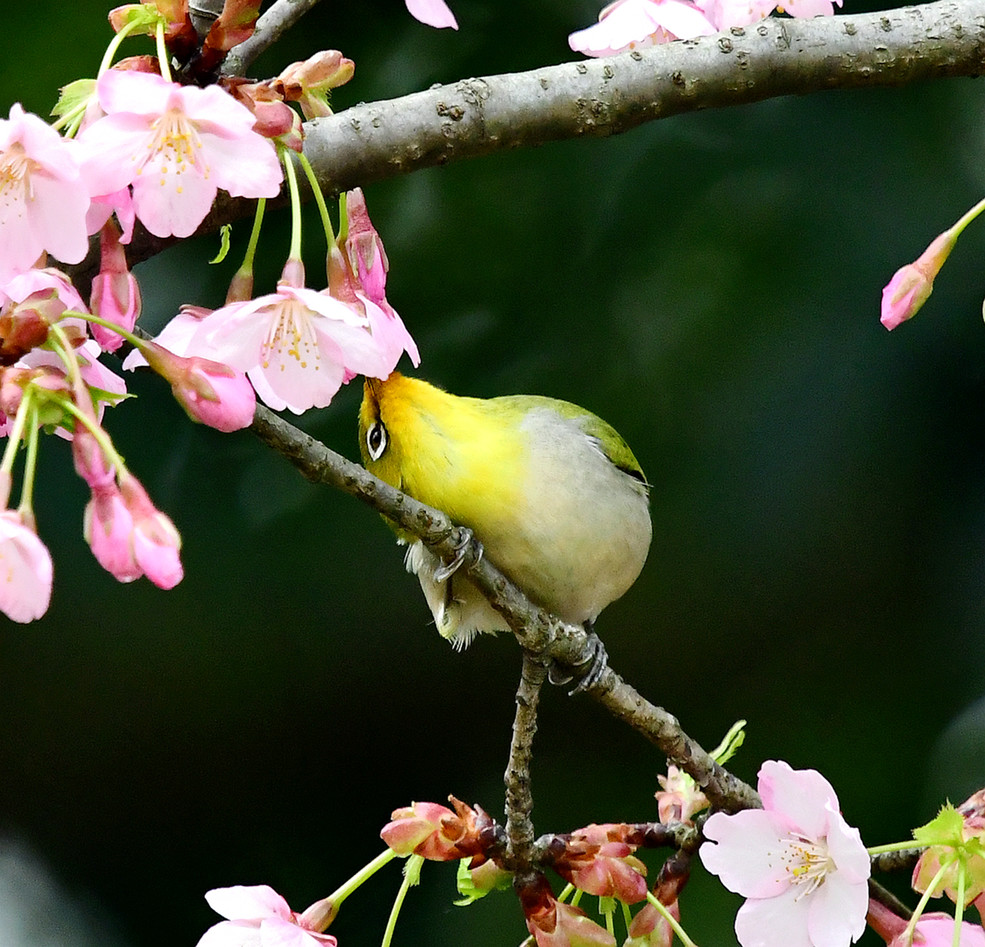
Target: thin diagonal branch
{"x":540,"y":634}
{"x":274,"y":23}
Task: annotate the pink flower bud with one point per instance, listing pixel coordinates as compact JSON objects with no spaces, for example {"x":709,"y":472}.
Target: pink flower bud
{"x":90,"y":461}
{"x":435,"y":832}
{"x":25,"y":569}
{"x":129,"y":537}
{"x":156,"y":542}
{"x":115,"y":293}
{"x":108,"y":526}
{"x":556,"y":924}
{"x":912,"y":284}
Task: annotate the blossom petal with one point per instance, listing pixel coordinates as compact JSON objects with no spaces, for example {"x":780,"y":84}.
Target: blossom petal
{"x":231,"y":934}
{"x":774,"y":921}
{"x":748,"y":857}
{"x":801,"y":795}
{"x":847,"y":850}
{"x":248,"y":902}
{"x":836,"y":912}
{"x":433,"y":13}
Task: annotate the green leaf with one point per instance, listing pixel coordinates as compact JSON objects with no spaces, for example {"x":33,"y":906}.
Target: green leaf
{"x":946,"y":828}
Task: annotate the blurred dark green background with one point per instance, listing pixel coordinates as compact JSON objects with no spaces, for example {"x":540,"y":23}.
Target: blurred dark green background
{"x":710,"y":285}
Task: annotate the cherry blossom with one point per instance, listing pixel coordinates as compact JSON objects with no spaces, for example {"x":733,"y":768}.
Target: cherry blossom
{"x":297,"y":346}
{"x":175,"y":146}
{"x":43,"y":202}
{"x":257,"y":916}
{"x":803,"y":869}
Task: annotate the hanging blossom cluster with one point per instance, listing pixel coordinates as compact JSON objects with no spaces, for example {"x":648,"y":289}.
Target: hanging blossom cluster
{"x":632,"y":24}
{"x":134,"y":145}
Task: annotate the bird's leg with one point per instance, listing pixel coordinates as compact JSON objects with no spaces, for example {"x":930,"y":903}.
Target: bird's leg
{"x":465,"y":538}
{"x":589,"y":672}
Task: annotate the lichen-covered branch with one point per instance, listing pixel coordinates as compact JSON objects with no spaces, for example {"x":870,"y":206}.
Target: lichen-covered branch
{"x":543,"y":636}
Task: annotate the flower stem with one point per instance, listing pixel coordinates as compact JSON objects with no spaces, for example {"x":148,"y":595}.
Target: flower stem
{"x":959,"y":906}
{"x":162,"y":51}
{"x":16,"y":432}
{"x":30,"y":462}
{"x":670,"y":919}
{"x":114,"y":45}
{"x":412,"y":874}
{"x":320,"y":200}
{"x":912,"y":925}
{"x":968,"y":217}
{"x":361,"y":876}
{"x":251,"y":248}
{"x":292,"y":182}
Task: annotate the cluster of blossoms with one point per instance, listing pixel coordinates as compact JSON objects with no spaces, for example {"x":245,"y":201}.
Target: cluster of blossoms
{"x":802,"y":869}
{"x":135,"y":146}
{"x":630,"y":24}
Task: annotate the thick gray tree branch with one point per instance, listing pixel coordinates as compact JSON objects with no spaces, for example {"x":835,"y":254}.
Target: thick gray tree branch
{"x":775,"y":57}
{"x":598,"y":97}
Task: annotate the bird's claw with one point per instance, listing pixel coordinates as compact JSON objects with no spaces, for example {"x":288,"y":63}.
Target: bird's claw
{"x":447,"y":569}
{"x":594,"y":666}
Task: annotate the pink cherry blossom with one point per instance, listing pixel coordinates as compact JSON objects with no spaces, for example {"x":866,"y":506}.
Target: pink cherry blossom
{"x":257,"y":916}
{"x":803,"y":869}
{"x":25,"y":569}
{"x":628,"y":24}
{"x":296,"y":345}
{"x":175,"y":145}
{"x":432,"y":12}
{"x":43,"y":202}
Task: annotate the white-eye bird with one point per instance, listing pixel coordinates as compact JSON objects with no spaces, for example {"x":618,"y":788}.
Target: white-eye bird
{"x":552,"y":492}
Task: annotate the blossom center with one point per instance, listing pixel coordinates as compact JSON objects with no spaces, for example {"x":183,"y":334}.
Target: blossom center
{"x":807,"y":862}
{"x":290,"y":335}
{"x":16,"y":168}
{"x":176,"y":144}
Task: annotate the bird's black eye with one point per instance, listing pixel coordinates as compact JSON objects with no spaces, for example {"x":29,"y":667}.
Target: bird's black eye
{"x":376,"y":440}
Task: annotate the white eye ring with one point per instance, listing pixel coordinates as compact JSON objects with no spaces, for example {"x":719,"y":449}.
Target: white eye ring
{"x":376,"y":440}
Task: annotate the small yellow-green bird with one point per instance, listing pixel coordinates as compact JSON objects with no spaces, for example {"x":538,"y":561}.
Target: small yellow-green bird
{"x":552,"y":492}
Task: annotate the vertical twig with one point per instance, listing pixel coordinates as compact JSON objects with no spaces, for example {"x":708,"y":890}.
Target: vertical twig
{"x":519,"y":797}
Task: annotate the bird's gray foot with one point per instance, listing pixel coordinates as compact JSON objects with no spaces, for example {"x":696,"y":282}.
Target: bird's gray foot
{"x":589,"y":672}
{"x":447,"y":569}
